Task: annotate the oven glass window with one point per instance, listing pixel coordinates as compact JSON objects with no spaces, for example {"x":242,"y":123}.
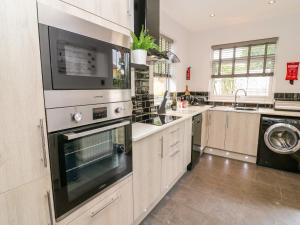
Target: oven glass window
{"x":121,"y":70}
{"x":91,"y":160}
{"x":74,"y":60}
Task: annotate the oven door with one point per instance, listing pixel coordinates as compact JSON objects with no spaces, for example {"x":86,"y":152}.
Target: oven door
{"x":86,"y":160}
{"x":82,"y":63}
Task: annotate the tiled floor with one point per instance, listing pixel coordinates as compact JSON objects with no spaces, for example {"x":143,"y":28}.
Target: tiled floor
{"x":227,"y":192}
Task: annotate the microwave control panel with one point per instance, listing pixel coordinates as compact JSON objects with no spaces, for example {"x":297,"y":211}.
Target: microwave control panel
{"x":99,"y":113}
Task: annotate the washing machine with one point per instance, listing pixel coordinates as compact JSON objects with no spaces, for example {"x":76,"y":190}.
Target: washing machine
{"x":279,"y":143}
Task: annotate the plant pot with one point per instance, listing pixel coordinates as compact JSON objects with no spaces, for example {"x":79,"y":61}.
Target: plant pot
{"x":139,"y":56}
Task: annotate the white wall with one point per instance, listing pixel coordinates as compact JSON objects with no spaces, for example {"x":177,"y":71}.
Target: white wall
{"x":180,"y":35}
{"x":288,"y":50}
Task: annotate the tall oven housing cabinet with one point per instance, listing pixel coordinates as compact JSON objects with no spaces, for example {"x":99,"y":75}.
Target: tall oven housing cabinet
{"x":86,"y":77}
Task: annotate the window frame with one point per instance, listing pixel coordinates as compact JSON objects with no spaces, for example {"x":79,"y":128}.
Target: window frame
{"x":248,"y":75}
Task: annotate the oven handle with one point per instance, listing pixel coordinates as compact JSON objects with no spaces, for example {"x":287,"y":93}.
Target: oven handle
{"x":72,"y":135}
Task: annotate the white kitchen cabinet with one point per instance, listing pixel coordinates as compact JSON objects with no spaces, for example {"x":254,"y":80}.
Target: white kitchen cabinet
{"x":116,"y":11}
{"x":216,"y":129}
{"x":242,"y":132}
{"x":147,"y":169}
{"x":27,"y":204}
{"x":23,"y":156}
{"x":187,"y":149}
{"x":114,"y":209}
{"x":173,"y":157}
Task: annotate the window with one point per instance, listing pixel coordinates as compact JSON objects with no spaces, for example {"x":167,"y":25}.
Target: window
{"x":162,"y":71}
{"x":247,"y":65}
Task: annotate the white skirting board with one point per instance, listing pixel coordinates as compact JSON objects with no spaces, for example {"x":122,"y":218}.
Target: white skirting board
{"x":230,"y":155}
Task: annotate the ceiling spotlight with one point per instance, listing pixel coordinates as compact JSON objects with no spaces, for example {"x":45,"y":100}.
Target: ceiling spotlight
{"x":212,"y":15}
{"x":271,"y":2}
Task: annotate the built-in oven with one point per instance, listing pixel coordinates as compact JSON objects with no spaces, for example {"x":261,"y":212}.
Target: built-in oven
{"x":80,"y":55}
{"x":91,"y":154}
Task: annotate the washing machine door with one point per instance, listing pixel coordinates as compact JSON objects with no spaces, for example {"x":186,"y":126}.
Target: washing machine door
{"x":282,"y":138}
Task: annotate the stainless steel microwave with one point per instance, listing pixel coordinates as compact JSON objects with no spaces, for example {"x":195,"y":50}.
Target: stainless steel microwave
{"x":79,"y":55}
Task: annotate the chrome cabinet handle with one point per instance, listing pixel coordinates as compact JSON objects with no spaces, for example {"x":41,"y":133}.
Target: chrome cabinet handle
{"x":176,"y":143}
{"x":129,"y":12}
{"x":41,"y":126}
{"x":162,"y":147}
{"x":174,"y":131}
{"x":111,"y":201}
{"x":175,"y":153}
{"x":71,"y":136}
{"x":50,"y":208}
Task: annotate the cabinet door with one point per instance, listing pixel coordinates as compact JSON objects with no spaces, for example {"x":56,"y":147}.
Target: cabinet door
{"x":27,"y":204}
{"x":216,"y":129}
{"x":204,"y":129}
{"x":173,"y":157}
{"x":116,"y":11}
{"x":187,"y":149}
{"x":115,"y":209}
{"x":147,"y":165}
{"x":21,"y":96}
{"x":242,"y":133}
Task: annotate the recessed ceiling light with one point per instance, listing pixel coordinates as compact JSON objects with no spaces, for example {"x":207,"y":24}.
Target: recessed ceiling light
{"x":271,"y":2}
{"x":212,"y":15}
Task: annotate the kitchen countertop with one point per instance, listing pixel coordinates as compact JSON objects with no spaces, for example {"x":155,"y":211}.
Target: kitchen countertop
{"x":265,"y":111}
{"x":142,"y":130}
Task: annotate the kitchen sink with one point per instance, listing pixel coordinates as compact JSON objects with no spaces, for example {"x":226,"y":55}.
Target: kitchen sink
{"x":245,"y":108}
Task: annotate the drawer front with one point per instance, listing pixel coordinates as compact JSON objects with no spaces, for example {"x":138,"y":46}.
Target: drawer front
{"x":173,"y":134}
{"x":115,"y":209}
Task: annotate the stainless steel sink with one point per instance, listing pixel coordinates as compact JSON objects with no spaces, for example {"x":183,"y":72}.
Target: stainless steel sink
{"x":245,"y":108}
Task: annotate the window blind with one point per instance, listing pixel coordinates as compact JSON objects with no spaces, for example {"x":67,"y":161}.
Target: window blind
{"x":244,"y":59}
{"x":163,"y":69}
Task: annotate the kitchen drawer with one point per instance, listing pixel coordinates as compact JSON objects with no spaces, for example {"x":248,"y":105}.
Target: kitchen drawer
{"x":115,"y":209}
{"x":173,"y":135}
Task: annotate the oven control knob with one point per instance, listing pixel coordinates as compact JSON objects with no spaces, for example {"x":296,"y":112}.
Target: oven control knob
{"x":77,"y":117}
{"x":118,"y":110}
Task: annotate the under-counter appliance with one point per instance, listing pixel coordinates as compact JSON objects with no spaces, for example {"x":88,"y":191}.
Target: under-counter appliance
{"x":86,"y":78}
{"x":196,"y":141}
{"x":279,"y":143}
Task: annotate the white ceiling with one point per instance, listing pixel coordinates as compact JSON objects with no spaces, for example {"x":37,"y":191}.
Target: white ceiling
{"x":195,"y":14}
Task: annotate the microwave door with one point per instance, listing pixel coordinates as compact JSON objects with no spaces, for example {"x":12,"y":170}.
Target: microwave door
{"x":79,"y":62}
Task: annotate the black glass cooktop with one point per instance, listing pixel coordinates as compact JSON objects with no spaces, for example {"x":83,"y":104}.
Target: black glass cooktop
{"x":160,"y":120}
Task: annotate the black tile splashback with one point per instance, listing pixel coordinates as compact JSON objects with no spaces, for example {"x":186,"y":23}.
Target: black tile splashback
{"x":287,"y":96}
{"x":143,"y":102}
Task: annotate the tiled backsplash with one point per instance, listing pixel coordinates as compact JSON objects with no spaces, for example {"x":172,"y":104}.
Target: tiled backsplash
{"x":143,"y":102}
{"x":287,"y":96}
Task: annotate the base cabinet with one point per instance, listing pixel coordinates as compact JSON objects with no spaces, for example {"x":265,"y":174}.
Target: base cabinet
{"x":147,"y":164}
{"x":158,"y":163}
{"x":187,"y":150}
{"x":234,"y":131}
{"x":242,"y":133}
{"x":173,"y":157}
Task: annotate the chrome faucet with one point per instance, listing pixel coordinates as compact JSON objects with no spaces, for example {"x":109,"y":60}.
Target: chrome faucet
{"x":235,"y":96}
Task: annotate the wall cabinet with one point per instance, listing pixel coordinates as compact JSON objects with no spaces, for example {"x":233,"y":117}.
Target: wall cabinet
{"x":147,"y":164}
{"x":116,"y":11}
{"x":234,"y":131}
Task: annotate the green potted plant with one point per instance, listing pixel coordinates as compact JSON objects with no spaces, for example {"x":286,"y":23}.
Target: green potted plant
{"x":140,"y":46}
